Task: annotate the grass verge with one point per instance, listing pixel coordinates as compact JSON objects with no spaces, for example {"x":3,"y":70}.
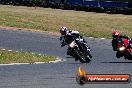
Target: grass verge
{"x":47,"y":19}
{"x":7,"y":57}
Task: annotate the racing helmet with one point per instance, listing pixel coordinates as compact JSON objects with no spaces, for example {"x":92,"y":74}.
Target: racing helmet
{"x":115,"y":34}
{"x":63,"y":30}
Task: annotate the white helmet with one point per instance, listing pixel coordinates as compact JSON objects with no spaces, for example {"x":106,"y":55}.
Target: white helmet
{"x":63,"y":30}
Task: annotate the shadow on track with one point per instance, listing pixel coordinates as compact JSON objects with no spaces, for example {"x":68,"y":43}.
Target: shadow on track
{"x":69,"y":57}
{"x":75,"y":63}
{"x":116,"y":62}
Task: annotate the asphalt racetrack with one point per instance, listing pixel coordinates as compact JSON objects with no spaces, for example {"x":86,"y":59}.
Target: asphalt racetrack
{"x":61,"y":74}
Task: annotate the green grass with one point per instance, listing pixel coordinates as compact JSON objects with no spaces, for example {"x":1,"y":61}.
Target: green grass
{"x":47,"y":19}
{"x":7,"y":57}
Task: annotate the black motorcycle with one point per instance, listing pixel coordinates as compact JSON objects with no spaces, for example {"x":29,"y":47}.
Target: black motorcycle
{"x":80,"y":51}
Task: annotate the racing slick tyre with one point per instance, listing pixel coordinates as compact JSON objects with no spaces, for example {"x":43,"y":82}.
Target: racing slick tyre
{"x":118,"y":54}
{"x":128,"y":55}
{"x":90,"y":55}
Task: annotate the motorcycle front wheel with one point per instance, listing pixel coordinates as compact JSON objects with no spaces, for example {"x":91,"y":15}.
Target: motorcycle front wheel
{"x":118,"y":54}
{"x":87,"y":59}
{"x":78,"y":56}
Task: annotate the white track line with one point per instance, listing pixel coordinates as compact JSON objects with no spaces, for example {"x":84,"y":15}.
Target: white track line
{"x":97,"y":38}
{"x":56,"y":61}
{"x":9,"y":50}
{"x":13,"y":64}
{"x":103,"y":38}
{"x":90,"y":37}
{"x":3,"y":49}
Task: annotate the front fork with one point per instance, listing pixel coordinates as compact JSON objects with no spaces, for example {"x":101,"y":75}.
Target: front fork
{"x":87,"y":50}
{"x":72,"y":52}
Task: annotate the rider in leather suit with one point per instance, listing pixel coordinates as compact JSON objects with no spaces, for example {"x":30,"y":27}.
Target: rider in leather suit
{"x":67,"y":36}
{"x":118,"y":36}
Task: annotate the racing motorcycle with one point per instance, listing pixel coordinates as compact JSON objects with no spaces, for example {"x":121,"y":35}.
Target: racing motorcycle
{"x":123,"y":49}
{"x":80,"y":51}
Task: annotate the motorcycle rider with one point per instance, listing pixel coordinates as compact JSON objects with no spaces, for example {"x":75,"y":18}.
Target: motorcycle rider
{"x":118,"y":36}
{"x":64,"y":39}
